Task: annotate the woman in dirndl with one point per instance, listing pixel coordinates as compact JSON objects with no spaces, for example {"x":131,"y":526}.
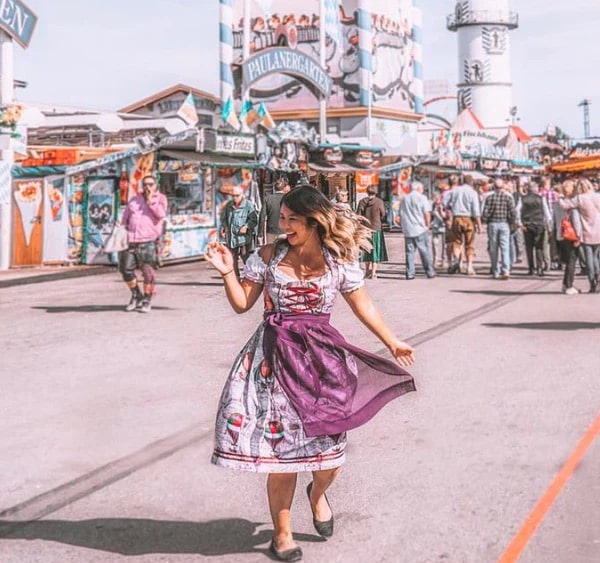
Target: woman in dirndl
{"x":297,"y":385}
{"x":373,"y":209}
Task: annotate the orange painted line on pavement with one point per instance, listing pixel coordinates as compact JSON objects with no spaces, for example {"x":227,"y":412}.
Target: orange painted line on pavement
{"x":520,"y":540}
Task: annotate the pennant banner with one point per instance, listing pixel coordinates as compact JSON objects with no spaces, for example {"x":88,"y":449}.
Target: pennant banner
{"x":187,"y":111}
{"x":264,"y":117}
{"x":229,"y":116}
{"x":248,"y":116}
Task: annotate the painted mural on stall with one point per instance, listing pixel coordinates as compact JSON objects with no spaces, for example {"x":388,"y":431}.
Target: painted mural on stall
{"x":28,"y":198}
{"x":93,"y":205}
{"x":56,"y":198}
{"x":100,"y":208}
{"x":76,"y":195}
{"x":296,"y":25}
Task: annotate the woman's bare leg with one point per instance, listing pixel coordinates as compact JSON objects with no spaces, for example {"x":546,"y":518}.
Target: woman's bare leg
{"x":322,"y":480}
{"x":280,"y":488}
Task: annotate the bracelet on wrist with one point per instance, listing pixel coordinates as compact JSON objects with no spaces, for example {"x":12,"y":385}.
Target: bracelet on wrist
{"x":227,"y":273}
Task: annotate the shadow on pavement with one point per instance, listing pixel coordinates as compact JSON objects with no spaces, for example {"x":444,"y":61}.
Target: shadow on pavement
{"x":131,"y":536}
{"x":192,"y":284}
{"x":92,"y":308}
{"x":503,"y":293}
{"x":552,"y":325}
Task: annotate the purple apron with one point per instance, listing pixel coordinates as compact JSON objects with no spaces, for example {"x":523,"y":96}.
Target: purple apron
{"x":333,"y":385}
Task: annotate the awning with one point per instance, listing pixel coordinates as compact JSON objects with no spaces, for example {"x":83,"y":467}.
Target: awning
{"x":393,"y":164}
{"x":37,"y":171}
{"x":578,"y":165}
{"x":215,"y":160}
{"x":339,"y":168}
{"x":435,"y":169}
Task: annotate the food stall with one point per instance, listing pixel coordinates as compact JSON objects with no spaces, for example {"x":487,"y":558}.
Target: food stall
{"x":197,"y":185}
{"x":64,"y":211}
{"x":66,"y":201}
{"x":344,"y":167}
{"x":584,"y":159}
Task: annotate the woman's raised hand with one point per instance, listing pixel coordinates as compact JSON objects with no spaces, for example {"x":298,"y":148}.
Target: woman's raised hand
{"x":219,"y":256}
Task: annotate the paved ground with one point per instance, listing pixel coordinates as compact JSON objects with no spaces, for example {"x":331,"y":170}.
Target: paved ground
{"x":107,"y":425}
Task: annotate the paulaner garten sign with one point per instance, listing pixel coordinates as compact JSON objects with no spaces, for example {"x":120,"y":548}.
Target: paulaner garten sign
{"x":287,"y":61}
{"x":17,"y":20}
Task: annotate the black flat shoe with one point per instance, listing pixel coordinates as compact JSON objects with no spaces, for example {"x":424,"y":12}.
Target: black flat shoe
{"x":325,"y":529}
{"x":294,"y":554}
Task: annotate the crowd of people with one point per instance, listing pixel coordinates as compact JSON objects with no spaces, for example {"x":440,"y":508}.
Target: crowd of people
{"x":551,"y":225}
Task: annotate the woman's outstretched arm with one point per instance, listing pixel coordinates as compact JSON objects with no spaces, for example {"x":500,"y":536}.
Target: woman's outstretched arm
{"x":363,"y":307}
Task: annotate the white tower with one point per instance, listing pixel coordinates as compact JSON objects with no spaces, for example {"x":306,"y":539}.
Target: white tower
{"x":484,"y":83}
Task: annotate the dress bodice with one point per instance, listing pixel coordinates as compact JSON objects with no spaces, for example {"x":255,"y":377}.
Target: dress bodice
{"x":286,"y":294}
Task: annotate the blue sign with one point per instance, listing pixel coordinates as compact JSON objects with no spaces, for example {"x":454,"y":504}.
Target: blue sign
{"x":17,"y":20}
{"x":287,"y":61}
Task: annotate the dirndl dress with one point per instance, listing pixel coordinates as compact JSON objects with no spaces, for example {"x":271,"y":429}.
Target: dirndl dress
{"x":258,"y":428}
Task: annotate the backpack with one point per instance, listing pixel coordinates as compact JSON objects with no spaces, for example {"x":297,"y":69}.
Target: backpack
{"x":567,"y":231}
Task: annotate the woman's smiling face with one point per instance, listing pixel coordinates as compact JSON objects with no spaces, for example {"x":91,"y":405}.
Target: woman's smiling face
{"x":295,"y":227}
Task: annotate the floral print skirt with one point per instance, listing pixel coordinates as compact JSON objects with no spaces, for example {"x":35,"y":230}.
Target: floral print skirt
{"x":258,"y":429}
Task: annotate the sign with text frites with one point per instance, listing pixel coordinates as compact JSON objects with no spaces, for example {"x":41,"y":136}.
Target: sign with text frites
{"x":17,"y":20}
{"x":230,"y":144}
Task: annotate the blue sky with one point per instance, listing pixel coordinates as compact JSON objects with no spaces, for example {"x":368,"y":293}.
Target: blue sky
{"x":106,"y":54}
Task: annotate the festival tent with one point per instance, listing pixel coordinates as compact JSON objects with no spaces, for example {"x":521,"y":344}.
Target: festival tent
{"x":466,"y":120}
{"x":515,"y":142}
{"x":468,"y":133}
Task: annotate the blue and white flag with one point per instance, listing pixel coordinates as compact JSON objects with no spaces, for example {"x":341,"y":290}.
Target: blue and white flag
{"x":187,"y":111}
{"x":248,"y":115}
{"x":229,"y":116}
{"x":331,"y":19}
{"x":264,"y":117}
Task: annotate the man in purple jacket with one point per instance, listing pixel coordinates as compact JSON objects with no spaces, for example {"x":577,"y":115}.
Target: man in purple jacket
{"x":144,"y":219}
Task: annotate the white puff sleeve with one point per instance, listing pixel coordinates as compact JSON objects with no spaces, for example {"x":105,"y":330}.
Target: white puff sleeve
{"x":351,"y":277}
{"x":255,"y":268}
